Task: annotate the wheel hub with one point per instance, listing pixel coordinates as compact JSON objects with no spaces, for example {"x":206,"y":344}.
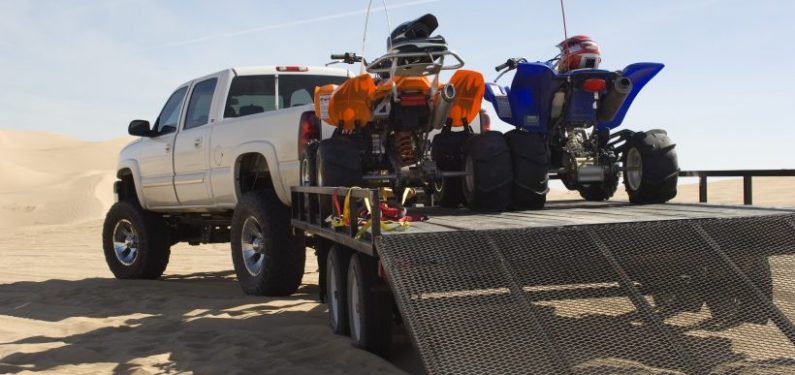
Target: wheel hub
{"x":252,"y":246}
{"x":125,"y":242}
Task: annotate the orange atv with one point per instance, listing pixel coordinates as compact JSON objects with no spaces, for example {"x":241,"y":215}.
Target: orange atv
{"x":386,"y":118}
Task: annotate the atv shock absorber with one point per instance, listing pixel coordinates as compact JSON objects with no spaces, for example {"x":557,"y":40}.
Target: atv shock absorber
{"x":405,"y":146}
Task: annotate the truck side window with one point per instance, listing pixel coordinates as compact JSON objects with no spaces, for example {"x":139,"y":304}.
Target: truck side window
{"x":199,"y":106}
{"x":167,"y":120}
{"x":249,"y":95}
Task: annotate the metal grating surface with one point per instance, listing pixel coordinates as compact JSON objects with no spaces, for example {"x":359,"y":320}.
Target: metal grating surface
{"x":686,"y":296}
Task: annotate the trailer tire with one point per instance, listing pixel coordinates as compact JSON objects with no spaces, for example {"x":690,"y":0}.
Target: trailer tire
{"x":267,"y":256}
{"x":489,"y":180}
{"x":730,"y":303}
{"x":651,"y":168}
{"x":135,"y":242}
{"x":530,"y":160}
{"x":370,"y":306}
{"x":337,"y":288}
{"x":447,"y":150}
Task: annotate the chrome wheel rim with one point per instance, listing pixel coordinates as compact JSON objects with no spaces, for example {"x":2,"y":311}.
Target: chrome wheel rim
{"x":353,"y":297}
{"x":633,"y":169}
{"x":305,"y":172}
{"x":319,"y":170}
{"x":334,"y":295}
{"x":469,"y":178}
{"x":252,"y":246}
{"x":125,"y":242}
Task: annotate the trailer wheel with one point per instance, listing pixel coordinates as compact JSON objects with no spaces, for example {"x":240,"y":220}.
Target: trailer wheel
{"x":370,"y":306}
{"x":135,"y":242}
{"x":267,"y":256}
{"x":339,"y":162}
{"x":447,"y":150}
{"x":730,"y":302}
{"x":489,"y":175}
{"x":530,"y":160}
{"x":337,"y":288}
{"x":651,"y":169}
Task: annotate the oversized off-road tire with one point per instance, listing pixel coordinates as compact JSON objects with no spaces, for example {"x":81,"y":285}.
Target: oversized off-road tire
{"x":730,"y":301}
{"x":370,"y":306}
{"x":651,"y":168}
{"x":599,"y":191}
{"x":268,"y":257}
{"x":135,"y":241}
{"x":308,"y":168}
{"x":447,"y":151}
{"x":336,"y":283}
{"x":489,"y":181}
{"x":530,"y":160}
{"x":339,"y":162}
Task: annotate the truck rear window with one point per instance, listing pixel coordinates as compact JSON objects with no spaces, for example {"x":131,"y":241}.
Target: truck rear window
{"x":256,"y":94}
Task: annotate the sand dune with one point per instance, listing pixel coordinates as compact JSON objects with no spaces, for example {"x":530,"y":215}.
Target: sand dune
{"x":61,"y":311}
{"x":53,"y":179}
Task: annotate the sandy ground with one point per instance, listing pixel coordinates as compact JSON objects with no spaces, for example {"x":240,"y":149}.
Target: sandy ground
{"x":61,"y":311}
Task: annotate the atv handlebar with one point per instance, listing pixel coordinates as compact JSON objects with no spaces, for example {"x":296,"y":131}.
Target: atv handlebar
{"x":347,"y":57}
{"x":511,"y":63}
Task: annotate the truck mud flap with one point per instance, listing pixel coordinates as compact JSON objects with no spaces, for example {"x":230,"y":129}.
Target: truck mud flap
{"x":695,"y":296}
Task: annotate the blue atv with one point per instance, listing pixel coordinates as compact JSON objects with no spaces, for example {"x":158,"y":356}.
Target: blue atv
{"x":564,"y":128}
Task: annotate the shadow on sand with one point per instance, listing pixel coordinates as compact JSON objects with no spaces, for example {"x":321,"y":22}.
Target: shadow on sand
{"x":197,"y":322}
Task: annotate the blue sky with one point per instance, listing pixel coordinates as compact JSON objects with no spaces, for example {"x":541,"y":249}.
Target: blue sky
{"x":726,"y":96}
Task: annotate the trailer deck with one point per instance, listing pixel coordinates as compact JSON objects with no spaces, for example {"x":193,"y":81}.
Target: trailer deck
{"x":591,"y":288}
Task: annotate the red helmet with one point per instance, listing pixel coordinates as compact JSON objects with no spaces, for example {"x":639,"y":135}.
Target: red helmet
{"x":578,"y":52}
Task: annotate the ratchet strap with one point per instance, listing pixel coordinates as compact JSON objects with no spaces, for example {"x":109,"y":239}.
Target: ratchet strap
{"x":392,"y":218}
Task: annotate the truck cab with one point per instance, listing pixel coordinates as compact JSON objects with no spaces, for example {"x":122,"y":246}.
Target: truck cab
{"x":185,"y":161}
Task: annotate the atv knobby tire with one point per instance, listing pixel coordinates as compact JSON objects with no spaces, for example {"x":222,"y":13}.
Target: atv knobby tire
{"x":651,"y":169}
{"x":135,"y":241}
{"x":489,"y":181}
{"x":530,"y":160}
{"x":268,"y":257}
{"x":339,"y":162}
{"x":447,"y":151}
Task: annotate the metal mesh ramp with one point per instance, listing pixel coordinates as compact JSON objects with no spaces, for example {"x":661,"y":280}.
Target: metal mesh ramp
{"x":691,"y":296}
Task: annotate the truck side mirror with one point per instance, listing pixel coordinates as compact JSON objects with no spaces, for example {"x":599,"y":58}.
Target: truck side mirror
{"x":140,"y":128}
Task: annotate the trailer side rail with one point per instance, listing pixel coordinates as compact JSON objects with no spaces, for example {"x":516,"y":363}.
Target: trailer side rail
{"x":312,"y":205}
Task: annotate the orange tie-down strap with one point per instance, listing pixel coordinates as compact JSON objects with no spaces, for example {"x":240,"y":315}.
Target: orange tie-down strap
{"x":392,"y":218}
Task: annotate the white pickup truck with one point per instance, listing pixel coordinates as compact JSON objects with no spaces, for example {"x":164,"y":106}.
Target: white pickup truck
{"x":217,"y":166}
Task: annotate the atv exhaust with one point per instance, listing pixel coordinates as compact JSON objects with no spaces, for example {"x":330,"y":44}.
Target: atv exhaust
{"x":614,"y":99}
{"x":443,"y":105}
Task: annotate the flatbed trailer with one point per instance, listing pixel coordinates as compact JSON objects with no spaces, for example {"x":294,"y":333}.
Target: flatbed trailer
{"x":583,"y":287}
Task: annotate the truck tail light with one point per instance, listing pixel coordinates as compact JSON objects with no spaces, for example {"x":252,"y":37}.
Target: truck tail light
{"x":485,"y":121}
{"x":308,"y":130}
{"x":292,"y":69}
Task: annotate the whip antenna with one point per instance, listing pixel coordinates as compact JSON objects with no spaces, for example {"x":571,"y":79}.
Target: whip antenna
{"x":364,"y":37}
{"x":565,"y":33}
{"x":388,"y":25}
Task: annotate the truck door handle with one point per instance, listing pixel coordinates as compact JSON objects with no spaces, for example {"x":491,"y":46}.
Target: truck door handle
{"x":168,"y":147}
{"x":197,"y":142}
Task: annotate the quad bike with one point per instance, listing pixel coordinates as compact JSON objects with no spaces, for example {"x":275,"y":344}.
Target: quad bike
{"x":397,"y":126}
{"x":564,"y":110}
